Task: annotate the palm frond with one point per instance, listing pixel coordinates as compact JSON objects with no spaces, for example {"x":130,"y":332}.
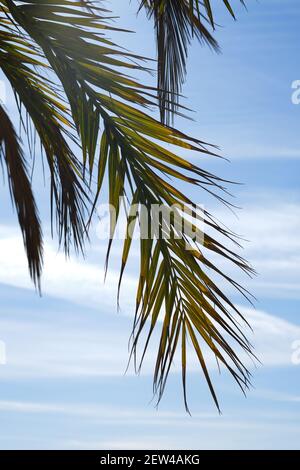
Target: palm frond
{"x":22,"y":196}
{"x":99,"y":102}
{"x":177,"y":22}
{"x":26,"y":69}
{"x":173,"y":280}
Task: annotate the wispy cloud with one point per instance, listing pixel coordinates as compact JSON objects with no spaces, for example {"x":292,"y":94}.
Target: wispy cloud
{"x":71,"y":279}
{"x":161,"y":430}
{"x":56,"y":345}
{"x":87,"y":344}
{"x":271,"y":226}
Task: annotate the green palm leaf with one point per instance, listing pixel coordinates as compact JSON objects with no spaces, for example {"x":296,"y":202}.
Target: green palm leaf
{"x":177,"y":22}
{"x":21,"y":192}
{"x":26,"y":69}
{"x":73,"y":82}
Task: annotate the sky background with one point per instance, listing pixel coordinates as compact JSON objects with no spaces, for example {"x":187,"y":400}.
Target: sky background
{"x":64,"y":383}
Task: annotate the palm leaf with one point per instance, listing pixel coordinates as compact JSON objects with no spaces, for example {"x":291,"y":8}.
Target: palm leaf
{"x":20,"y":188}
{"x":26,"y":70}
{"x":176,"y":23}
{"x":99,"y":102}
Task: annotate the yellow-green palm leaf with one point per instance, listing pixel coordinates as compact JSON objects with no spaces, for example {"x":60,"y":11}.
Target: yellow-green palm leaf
{"x":73,"y":83}
{"x":177,"y":22}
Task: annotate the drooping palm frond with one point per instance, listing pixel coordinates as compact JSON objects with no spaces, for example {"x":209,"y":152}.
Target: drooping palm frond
{"x":176,"y":23}
{"x":93,"y":98}
{"x":26,"y":69}
{"x":22,"y":195}
{"x":173,"y":282}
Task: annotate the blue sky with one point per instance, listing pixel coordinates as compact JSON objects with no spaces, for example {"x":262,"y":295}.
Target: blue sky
{"x":64,"y":385}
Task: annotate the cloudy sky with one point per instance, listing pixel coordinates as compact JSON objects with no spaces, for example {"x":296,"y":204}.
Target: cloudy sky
{"x":64,"y":383}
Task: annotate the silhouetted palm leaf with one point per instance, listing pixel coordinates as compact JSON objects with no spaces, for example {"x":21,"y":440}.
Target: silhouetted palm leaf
{"x":22,"y":196}
{"x":73,"y":83}
{"x":176,"y":23}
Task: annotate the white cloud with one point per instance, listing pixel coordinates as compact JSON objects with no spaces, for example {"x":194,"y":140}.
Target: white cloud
{"x":102,"y":412}
{"x":258,"y":151}
{"x":272,"y":337}
{"x":55,"y":345}
{"x":63,"y":348}
{"x":135,"y":428}
{"x":73,"y":279}
{"x":88,"y":344}
{"x":271,"y":227}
